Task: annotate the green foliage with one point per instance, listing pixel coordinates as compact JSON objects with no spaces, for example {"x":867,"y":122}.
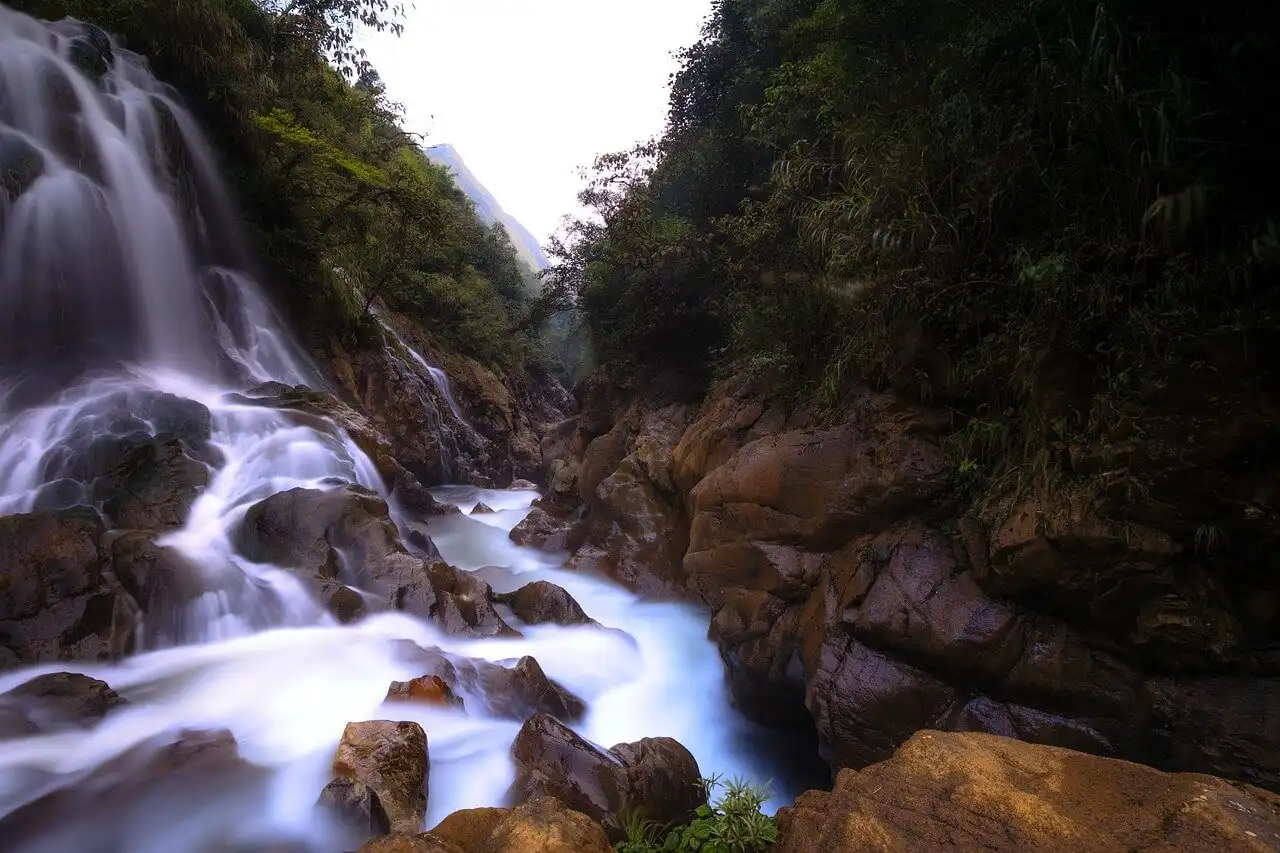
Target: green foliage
{"x":733,"y":823}
{"x":341,"y":202}
{"x":1031,"y":209}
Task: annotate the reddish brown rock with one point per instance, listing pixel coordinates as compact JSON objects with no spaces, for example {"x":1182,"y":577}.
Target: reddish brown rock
{"x":429,"y":689}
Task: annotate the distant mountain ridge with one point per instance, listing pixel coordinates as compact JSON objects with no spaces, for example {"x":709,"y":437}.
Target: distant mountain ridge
{"x":487,"y":207}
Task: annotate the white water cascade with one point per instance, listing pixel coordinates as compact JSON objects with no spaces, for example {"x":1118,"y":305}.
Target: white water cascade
{"x":128,"y":311}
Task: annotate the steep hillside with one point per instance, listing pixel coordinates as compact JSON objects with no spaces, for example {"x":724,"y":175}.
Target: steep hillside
{"x":487,"y":207}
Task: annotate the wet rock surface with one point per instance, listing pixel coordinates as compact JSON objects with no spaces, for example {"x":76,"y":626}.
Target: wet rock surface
{"x":344,"y":543}
{"x":55,"y":702}
{"x":970,"y":792}
{"x":542,"y":602}
{"x":428,"y":689}
{"x":56,"y":600}
{"x":389,"y":759}
{"x":656,"y":777}
{"x":849,"y":597}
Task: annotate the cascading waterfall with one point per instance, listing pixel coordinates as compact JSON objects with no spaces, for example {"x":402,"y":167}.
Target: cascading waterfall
{"x":128,"y":313}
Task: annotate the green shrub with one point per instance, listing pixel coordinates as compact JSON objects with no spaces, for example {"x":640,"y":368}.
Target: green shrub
{"x":732,"y":823}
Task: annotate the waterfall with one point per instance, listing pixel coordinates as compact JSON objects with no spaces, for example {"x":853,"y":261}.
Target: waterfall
{"x":129,"y":313}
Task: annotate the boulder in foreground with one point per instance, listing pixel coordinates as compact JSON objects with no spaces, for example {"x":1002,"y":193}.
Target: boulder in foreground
{"x":390,"y":760}
{"x":983,"y":792}
{"x":655,"y":777}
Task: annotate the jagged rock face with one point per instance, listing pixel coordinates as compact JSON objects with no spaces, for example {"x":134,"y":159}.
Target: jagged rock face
{"x":310,"y":407}
{"x":515,"y":692}
{"x":343,"y":539}
{"x":970,"y":792}
{"x":847,"y":595}
{"x":56,"y":600}
{"x":656,"y":776}
{"x":504,"y":415}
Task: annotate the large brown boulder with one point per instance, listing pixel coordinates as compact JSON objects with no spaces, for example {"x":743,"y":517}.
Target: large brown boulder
{"x":655,"y":777}
{"x":542,"y":602}
{"x":56,"y":601}
{"x":422,"y":843}
{"x":971,"y":792}
{"x":543,"y":825}
{"x":390,"y":760}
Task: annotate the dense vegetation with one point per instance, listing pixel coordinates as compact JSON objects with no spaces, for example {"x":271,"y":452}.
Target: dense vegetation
{"x":1029,"y":211}
{"x":342,"y":203}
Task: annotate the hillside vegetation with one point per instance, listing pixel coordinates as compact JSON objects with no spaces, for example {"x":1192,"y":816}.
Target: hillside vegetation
{"x":1037,"y":214}
{"x":342,"y":204}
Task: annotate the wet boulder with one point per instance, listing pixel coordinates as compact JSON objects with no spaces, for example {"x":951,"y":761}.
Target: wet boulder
{"x":523,"y":486}
{"x":355,"y":807}
{"x":54,"y":702}
{"x":542,"y":602}
{"x":543,"y":824}
{"x":56,"y":602}
{"x":545,"y":528}
{"x":519,"y":692}
{"x":390,"y":759}
{"x":319,"y":532}
{"x":464,"y":604}
{"x":152,"y":488}
{"x":656,"y":778}
{"x":482,"y":508}
{"x":175,"y":768}
{"x":428,"y":689}
{"x":981,"y":792}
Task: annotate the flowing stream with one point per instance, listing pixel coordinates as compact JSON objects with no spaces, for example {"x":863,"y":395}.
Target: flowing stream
{"x":127,"y":304}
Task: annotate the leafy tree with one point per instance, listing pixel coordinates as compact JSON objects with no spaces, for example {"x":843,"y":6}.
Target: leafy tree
{"x":330,"y":26}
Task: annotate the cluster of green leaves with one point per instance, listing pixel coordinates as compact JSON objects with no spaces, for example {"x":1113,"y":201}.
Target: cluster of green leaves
{"x":342,"y":203}
{"x":733,"y":823}
{"x":1020,"y":209}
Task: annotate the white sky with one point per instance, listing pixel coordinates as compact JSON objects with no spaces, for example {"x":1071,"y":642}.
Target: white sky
{"x":528,"y":91}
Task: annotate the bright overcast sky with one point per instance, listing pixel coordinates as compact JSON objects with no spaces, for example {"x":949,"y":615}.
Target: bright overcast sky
{"x":528,"y":91}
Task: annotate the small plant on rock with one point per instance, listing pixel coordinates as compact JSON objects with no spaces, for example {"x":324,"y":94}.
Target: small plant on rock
{"x":733,"y":823}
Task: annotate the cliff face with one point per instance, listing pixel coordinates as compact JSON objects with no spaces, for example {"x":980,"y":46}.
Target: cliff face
{"x":469,"y":423}
{"x":853,"y":590}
